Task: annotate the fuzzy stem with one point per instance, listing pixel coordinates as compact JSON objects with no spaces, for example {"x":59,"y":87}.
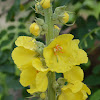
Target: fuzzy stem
{"x":50,"y":35}
{"x":48,"y":20}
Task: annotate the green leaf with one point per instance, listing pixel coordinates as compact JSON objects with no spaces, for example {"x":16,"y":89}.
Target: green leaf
{"x":2,"y":33}
{"x":61,"y":2}
{"x":11,"y":27}
{"x":22,"y":34}
{"x":1,"y":89}
{"x":21,"y":26}
{"x":92,"y":80}
{"x":96,"y":69}
{"x":3,"y":58}
{"x":98,"y":34}
{"x":96,"y":95}
{"x":99,"y":58}
{"x":0,"y":54}
{"x":13,"y":82}
{"x":5,"y":43}
{"x":7,"y":68}
{"x":11,"y":36}
{"x":82,"y":27}
{"x":13,"y":10}
{"x":87,"y":65}
{"x":20,"y":99}
{"x":91,"y":22}
{"x":10,"y":97}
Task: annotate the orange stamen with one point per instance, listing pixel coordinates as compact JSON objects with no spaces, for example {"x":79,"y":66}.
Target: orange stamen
{"x":38,"y":71}
{"x":58,"y":48}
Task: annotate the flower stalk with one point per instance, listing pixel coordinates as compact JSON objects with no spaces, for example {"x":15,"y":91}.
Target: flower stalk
{"x":38,"y":63}
{"x":49,"y":22}
{"x":50,"y":35}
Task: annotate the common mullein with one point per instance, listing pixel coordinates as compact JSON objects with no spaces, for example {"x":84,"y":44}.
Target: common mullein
{"x":38,"y":62}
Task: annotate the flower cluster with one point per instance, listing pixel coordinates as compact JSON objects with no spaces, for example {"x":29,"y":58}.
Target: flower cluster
{"x":61,"y":56}
{"x":28,"y":60}
{"x":35,"y":60}
{"x":75,"y":89}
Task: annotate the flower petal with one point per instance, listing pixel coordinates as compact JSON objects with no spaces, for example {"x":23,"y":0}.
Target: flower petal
{"x":22,"y":56}
{"x":26,"y":42}
{"x":32,"y":89}
{"x":61,"y":39}
{"x":36,"y":62}
{"x":76,"y":73}
{"x":69,"y":95}
{"x":28,"y":76}
{"x":85,"y":88}
{"x":42,"y":81}
{"x":75,"y":87}
{"x":63,"y":53}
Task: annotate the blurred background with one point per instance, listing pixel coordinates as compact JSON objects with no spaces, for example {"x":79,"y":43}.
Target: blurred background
{"x":15,"y":18}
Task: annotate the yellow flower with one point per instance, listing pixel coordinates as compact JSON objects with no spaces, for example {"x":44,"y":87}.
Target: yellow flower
{"x":33,"y":72}
{"x":65,"y":17}
{"x":26,"y":42}
{"x":37,"y":80}
{"x":76,"y":73}
{"x":45,"y":4}
{"x":76,"y":91}
{"x":56,"y":27}
{"x":63,"y":53}
{"x":37,"y":63}
{"x":24,"y":53}
{"x":34,"y":29}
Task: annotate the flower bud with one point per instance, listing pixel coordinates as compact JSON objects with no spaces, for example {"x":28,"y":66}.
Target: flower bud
{"x":56,"y":27}
{"x":56,"y":30}
{"x":34,"y":29}
{"x":36,"y":6}
{"x":61,"y":81}
{"x":45,"y":4}
{"x":39,"y":8}
{"x":39,"y":21}
{"x":42,"y":95}
{"x":65,"y":17}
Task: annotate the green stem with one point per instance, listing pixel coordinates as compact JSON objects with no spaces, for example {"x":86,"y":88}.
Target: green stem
{"x":48,"y":20}
{"x":51,"y":91}
{"x":90,"y":33}
{"x":49,"y":36}
{"x":94,"y":48}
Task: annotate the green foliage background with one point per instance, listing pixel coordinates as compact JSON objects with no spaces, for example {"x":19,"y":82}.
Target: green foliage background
{"x":86,"y":28}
